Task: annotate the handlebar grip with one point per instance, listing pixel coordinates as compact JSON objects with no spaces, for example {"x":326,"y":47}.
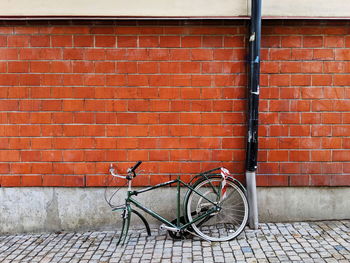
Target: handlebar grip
{"x":135,"y":166}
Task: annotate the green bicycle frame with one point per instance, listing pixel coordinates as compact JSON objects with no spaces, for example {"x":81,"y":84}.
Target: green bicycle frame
{"x":130,"y":200}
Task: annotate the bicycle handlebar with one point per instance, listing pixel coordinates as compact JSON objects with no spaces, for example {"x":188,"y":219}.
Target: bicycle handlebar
{"x":129,"y":171}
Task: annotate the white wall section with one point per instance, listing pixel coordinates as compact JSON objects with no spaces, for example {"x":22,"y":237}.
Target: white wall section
{"x":134,"y":8}
{"x":171,"y":8}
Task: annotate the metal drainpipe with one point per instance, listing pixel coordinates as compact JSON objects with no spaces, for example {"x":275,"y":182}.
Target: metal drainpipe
{"x":253,"y":111}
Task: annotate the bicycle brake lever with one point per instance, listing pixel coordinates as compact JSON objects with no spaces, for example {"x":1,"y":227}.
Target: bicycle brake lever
{"x":111,"y":169}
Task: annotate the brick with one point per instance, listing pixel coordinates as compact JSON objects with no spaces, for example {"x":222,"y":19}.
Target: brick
{"x":168,"y":67}
{"x":21,"y":168}
{"x":286,"y":93}
{"x":73,"y":53}
{"x":332,"y":168}
{"x":300,"y":105}
{"x":102,"y":30}
{"x":29,"y":80}
{"x":8,"y":53}
{"x":291,"y":41}
{"x":127,"y":41}
{"x":342,"y":54}
{"x":268,"y":168}
{"x":3,"y":41}
{"x":334,"y":67}
{"x":61,"y":41}
{"x":299,"y":156}
{"x":82,"y":66}
{"x":83,"y":41}
{"x":10,"y":180}
{"x":9,"y":155}
{"x":282,"y":105}
{"x":310,"y":143}
{"x":277,"y":155}
{"x":74,"y":180}
{"x":299,"y":180}
{"x":179,"y":54}
{"x":312,"y":67}
{"x":299,"y":130}
{"x":310,"y":168}
{"x":289,"y":143}
{"x":190,"y":41}
{"x":320,"y":180}
{"x":279,"y":130}
{"x":331,"y":143}
{"x":322,"y":105}
{"x":280,"y":54}
{"x":201,"y":54}
{"x":19,"y":143}
{"x":92,"y":54}
{"x":268,"y":143}
{"x":321,"y":130}
{"x":51,"y":156}
{"x":18,"y":67}
{"x":40,"y":67}
{"x":291,"y":67}
{"x":84,"y":168}
{"x":278,"y":180}
{"x":148,"y":67}
{"x":52,"y":180}
{"x":323,"y":54}
{"x":341,"y":156}
{"x":4,"y":143}
{"x":169,"y":41}
{"x":289,"y":118}
{"x":270,"y":41}
{"x":279,"y":80}
{"x":331,"y":118}
{"x":148,"y":41}
{"x":212,"y":41}
{"x":321,"y":156}
{"x":340,"y":180}
{"x":341,"y":80}
{"x":226,"y":54}
{"x":69,"y":30}
{"x":106,"y":41}
{"x":31,"y":180}
{"x":322,"y":80}
{"x":42,"y":168}
{"x":313,"y":41}
{"x":312,"y":93}
{"x":18,"y":41}
{"x":63,"y":168}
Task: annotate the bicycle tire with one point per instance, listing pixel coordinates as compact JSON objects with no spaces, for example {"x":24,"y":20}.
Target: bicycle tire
{"x":229,"y":221}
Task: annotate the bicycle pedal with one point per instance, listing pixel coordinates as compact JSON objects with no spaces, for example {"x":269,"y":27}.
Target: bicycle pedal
{"x":169,"y":228}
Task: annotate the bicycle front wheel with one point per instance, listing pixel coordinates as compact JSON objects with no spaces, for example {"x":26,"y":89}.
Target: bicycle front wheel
{"x":231,"y":214}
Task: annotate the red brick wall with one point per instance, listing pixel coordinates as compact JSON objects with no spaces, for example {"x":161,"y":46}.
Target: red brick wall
{"x":80,"y":95}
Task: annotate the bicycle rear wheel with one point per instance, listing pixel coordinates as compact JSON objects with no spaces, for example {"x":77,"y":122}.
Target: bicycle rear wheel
{"x":232,"y":215}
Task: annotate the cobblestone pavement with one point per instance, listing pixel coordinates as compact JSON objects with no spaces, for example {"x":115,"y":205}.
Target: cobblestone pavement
{"x":288,"y":242}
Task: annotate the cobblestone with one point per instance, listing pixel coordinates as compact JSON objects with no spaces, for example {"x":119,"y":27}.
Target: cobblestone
{"x":326,"y":241}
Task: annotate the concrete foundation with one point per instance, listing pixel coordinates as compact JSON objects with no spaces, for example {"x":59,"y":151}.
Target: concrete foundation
{"x":53,"y":209}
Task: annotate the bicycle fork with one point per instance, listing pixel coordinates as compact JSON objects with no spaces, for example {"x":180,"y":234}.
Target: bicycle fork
{"x":126,"y":217}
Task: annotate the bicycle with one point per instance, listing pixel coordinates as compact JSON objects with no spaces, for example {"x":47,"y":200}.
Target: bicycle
{"x":215,"y":206}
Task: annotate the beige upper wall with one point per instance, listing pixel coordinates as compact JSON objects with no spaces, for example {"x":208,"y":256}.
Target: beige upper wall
{"x":174,"y":8}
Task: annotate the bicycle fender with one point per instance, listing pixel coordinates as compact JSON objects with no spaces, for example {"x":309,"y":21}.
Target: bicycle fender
{"x":143,"y":220}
